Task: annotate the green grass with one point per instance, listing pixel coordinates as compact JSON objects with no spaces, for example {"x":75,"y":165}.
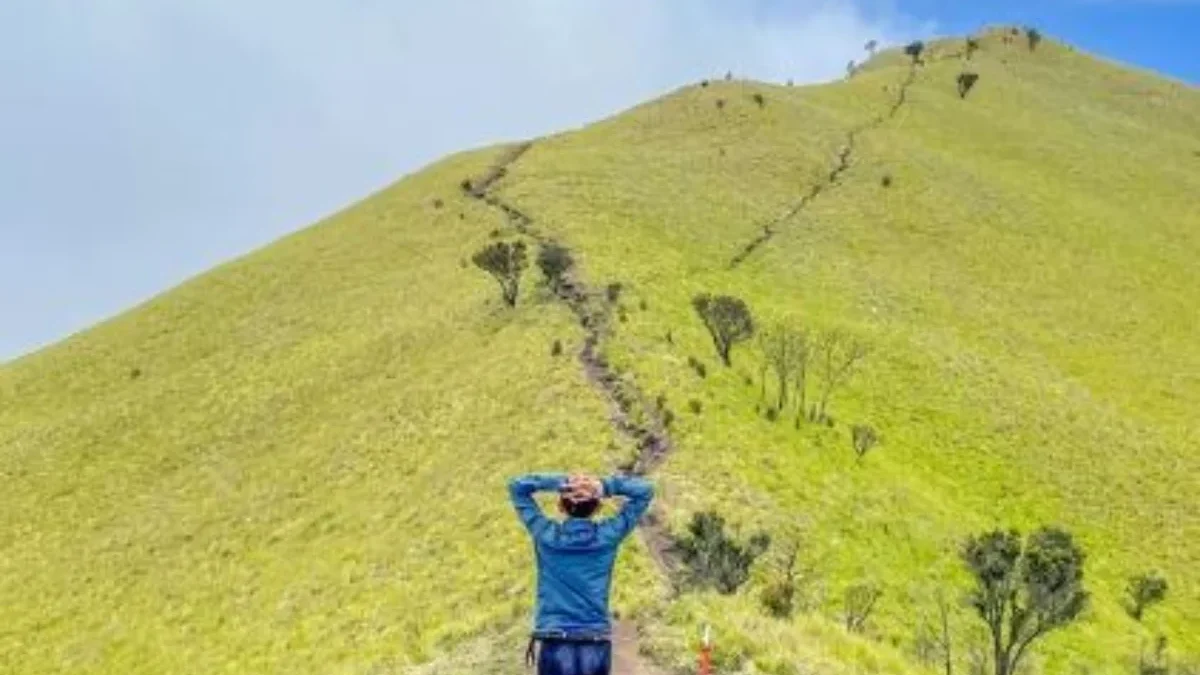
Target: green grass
{"x":307,"y":476}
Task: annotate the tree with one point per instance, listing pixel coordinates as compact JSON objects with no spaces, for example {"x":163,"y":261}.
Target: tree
{"x":837,"y":354}
{"x":871,"y":46}
{"x":860,"y":600}
{"x":851,"y":67}
{"x":555,"y":261}
{"x":1143,"y":592}
{"x":914,"y":49}
{"x":505,"y":262}
{"x":1034,"y":36}
{"x":972,"y":46}
{"x":728,"y":321}
{"x":716,"y":560}
{"x":786,"y":352}
{"x":1024,"y":592}
{"x":965,"y":82}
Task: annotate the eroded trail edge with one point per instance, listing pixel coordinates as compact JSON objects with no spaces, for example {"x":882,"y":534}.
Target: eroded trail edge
{"x":840,"y":166}
{"x":631,"y":413}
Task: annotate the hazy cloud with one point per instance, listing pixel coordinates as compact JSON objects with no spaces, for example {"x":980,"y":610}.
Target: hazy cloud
{"x":143,"y":141}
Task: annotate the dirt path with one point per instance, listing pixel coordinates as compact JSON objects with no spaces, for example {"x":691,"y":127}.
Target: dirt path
{"x":841,"y":166}
{"x":631,"y":413}
{"x":627,"y":660}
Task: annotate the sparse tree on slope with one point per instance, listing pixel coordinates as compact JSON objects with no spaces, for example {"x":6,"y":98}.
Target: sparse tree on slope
{"x":1144,"y":591}
{"x":786,"y":351}
{"x":555,"y":261}
{"x":505,"y":262}
{"x":728,"y":321}
{"x":837,"y":354}
{"x":914,"y":49}
{"x":1024,"y":592}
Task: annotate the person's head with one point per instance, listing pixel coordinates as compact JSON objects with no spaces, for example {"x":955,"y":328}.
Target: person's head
{"x":578,"y":503}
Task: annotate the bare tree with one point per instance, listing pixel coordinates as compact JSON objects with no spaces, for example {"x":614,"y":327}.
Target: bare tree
{"x":786,"y":352}
{"x":837,"y":355}
{"x":860,"y":601}
{"x":505,"y":262}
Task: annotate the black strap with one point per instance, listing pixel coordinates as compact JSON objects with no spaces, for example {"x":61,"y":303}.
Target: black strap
{"x":531,"y":653}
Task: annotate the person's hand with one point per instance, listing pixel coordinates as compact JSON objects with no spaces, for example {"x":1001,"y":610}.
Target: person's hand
{"x":582,"y":487}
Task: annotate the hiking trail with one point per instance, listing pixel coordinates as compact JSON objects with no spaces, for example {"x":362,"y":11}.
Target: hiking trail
{"x":841,"y":166}
{"x":630,"y":412}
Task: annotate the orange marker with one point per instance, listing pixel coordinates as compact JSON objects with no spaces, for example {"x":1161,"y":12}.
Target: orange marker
{"x":706,"y":654}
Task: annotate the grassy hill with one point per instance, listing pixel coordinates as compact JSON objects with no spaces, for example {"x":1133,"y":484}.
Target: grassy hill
{"x":296,"y":462}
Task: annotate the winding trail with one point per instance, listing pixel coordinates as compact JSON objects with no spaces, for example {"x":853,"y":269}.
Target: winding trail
{"x":841,"y":166}
{"x":631,"y":413}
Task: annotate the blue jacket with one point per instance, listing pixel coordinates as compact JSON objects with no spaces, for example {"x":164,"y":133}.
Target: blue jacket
{"x":575,"y":557}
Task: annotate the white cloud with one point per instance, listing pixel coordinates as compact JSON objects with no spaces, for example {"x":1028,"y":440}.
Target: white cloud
{"x":143,"y":141}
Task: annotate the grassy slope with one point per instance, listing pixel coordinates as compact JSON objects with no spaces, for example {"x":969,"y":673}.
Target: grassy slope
{"x":306,"y":476}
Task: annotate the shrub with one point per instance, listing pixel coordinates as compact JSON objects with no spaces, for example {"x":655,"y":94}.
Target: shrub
{"x":613,"y":292}
{"x":703,"y":83}
{"x":914,"y":49}
{"x":135,"y":373}
{"x":779,"y":595}
{"x":466,"y":185}
{"x":505,"y":262}
{"x":859,"y":601}
{"x":758,"y":98}
{"x":670,"y":337}
{"x":1035,"y":38}
{"x":716,"y":560}
{"x":1143,"y":592}
{"x":557,"y":348}
{"x":698,"y":366}
{"x":886,"y":181}
{"x":790,"y":82}
{"x":965,"y":82}
{"x":728,"y":321}
{"x":720,"y":104}
{"x":972,"y":46}
{"x":438,"y":203}
{"x":695,"y":406}
{"x":555,"y":261}
{"x":643,"y":305}
{"x":864,"y":438}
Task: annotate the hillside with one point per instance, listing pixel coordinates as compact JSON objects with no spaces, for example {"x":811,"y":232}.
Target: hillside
{"x":296,"y":462}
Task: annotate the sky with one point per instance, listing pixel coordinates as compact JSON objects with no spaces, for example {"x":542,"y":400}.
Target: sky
{"x":144,"y":141}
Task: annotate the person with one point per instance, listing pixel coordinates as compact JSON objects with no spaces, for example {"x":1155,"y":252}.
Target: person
{"x":574,"y":566}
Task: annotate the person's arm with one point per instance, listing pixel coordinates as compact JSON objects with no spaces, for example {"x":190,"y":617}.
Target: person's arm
{"x":522,"y":488}
{"x":638,"y":493}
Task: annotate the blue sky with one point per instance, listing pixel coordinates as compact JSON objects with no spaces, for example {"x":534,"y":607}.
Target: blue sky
{"x":143,"y":141}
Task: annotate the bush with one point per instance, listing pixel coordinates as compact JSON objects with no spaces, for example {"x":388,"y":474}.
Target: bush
{"x":758,"y":98}
{"x":972,"y":46}
{"x":859,"y":601}
{"x":613,"y":292}
{"x":695,"y":406}
{"x":466,"y":185}
{"x":914,"y":49}
{"x":716,"y":560}
{"x":643,"y":305}
{"x":135,"y":373}
{"x":668,"y":417}
{"x":1143,"y":592}
{"x":864,"y":438}
{"x":555,"y":261}
{"x":556,"y":349}
{"x":703,"y":83}
{"x":1035,"y":38}
{"x":720,"y":103}
{"x":886,"y":181}
{"x":965,"y":82}
{"x":698,"y":366}
{"x":438,"y":203}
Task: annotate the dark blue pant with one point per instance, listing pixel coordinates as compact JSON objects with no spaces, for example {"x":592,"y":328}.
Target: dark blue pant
{"x":563,"y":657}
